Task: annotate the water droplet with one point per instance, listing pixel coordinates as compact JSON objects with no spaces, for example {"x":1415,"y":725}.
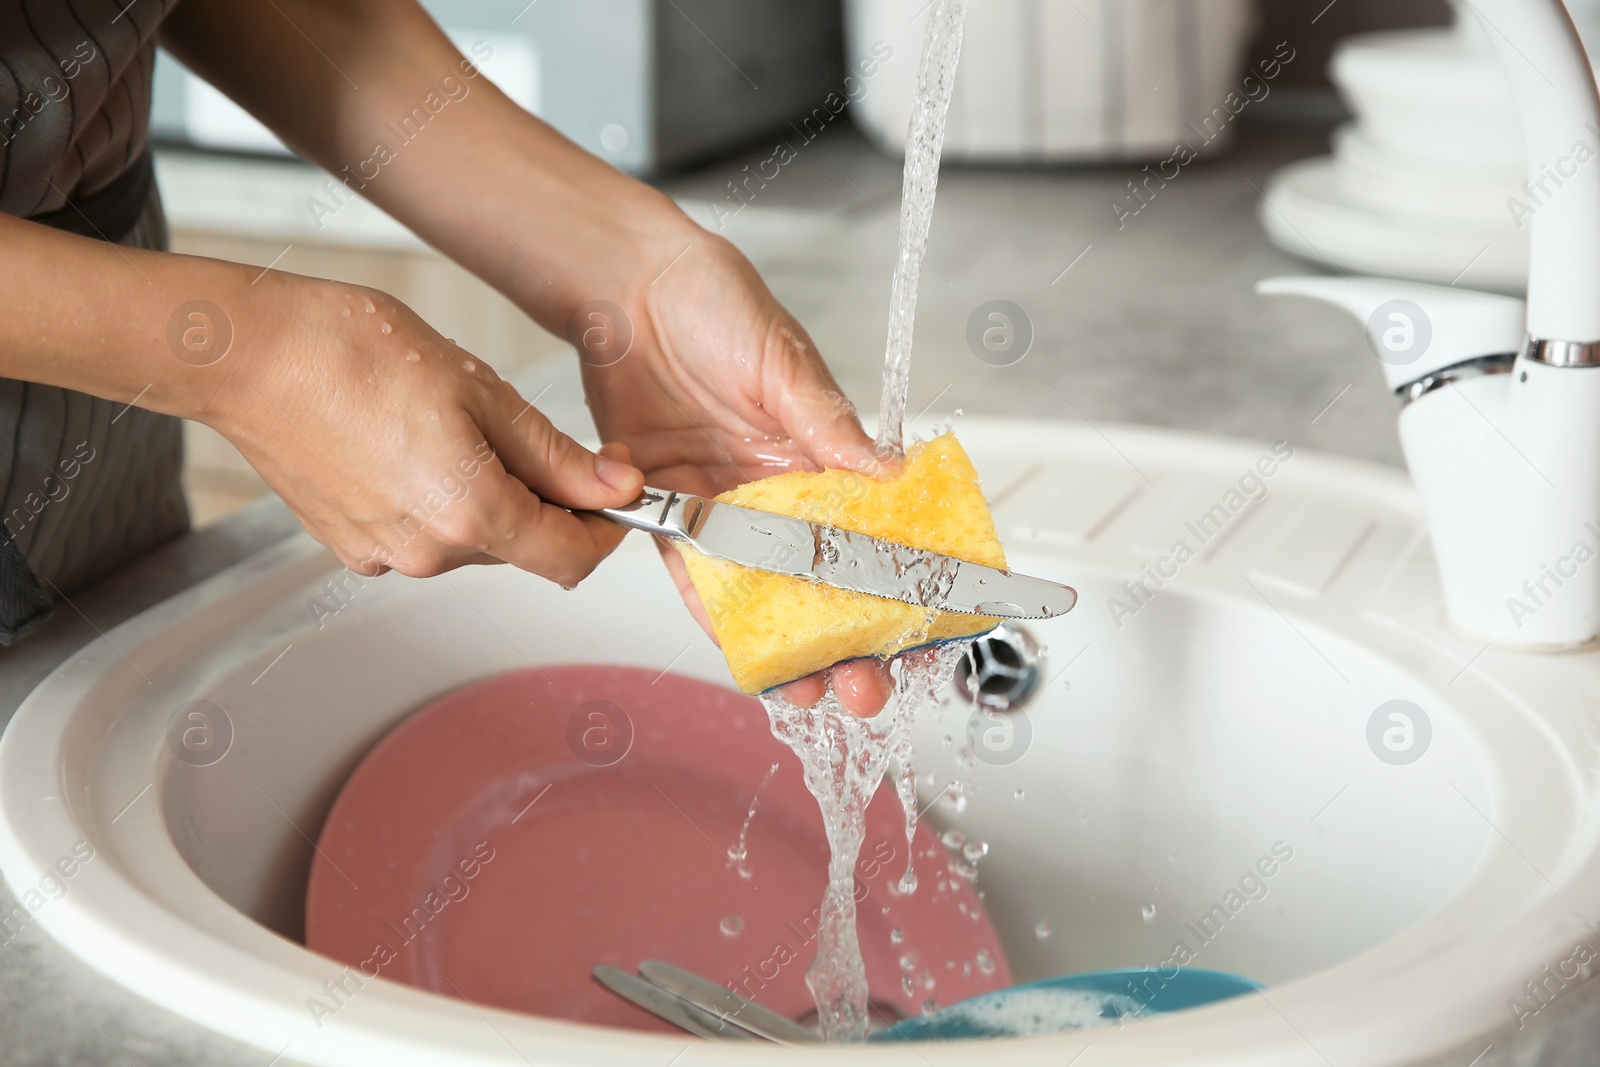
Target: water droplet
{"x":413,"y":356}
{"x":732,"y":925}
{"x":927,"y":980}
{"x":384,"y":327}
{"x":896,"y":936}
{"x":907,"y":986}
{"x":953,"y":838}
{"x":1042,"y":929}
{"x":908,"y":962}
{"x":929,"y":1007}
{"x":959,"y":413}
{"x":908,"y":882}
{"x":469,"y":366}
{"x":975,"y":850}
{"x":985,"y":961}
{"x":344,"y":312}
{"x":967,"y":871}
{"x":569,"y":588}
{"x":1149,"y":913}
{"x":371,"y":307}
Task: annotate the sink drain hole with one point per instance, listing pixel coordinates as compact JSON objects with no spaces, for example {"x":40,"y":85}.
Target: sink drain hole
{"x":1001,"y":670}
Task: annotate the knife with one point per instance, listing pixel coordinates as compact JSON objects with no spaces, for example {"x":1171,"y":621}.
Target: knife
{"x":725,"y":1004}
{"x":842,"y":558}
{"x":672,"y":1008}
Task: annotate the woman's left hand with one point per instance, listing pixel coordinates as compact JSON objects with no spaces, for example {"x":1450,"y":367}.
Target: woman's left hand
{"x":698,"y":369}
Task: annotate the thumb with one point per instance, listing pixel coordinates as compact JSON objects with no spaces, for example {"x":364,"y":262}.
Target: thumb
{"x":813,"y":410}
{"x":559,"y":469}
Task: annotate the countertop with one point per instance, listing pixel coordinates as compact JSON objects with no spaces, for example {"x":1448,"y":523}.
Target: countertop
{"x":1150,"y":321}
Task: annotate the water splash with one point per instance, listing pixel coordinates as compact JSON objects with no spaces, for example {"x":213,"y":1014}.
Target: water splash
{"x":936,"y":74}
{"x":905,"y":786}
{"x":739,"y":852}
{"x":844,"y":759}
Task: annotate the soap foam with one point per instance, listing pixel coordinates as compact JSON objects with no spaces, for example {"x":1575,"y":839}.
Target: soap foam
{"x":1025,"y":1012}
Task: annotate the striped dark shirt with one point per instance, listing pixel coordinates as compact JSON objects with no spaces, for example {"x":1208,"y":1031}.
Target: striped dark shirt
{"x":74,"y":96}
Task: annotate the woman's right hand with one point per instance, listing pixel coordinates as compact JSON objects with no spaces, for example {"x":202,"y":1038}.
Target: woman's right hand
{"x":398,"y":449}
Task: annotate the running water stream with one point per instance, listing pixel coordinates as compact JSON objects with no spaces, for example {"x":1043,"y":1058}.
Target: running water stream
{"x":845,"y":758}
{"x":936,"y":76}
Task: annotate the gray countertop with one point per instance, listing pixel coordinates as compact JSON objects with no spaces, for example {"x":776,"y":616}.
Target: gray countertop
{"x":1154,"y":322}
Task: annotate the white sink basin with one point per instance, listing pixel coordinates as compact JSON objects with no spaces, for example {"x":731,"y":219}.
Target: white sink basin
{"x":1222,"y":723}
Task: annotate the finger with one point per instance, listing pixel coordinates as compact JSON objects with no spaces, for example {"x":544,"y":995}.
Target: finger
{"x":813,"y":410}
{"x":863,"y":686}
{"x":553,"y":465}
{"x":540,"y":537}
{"x":805,"y":692}
{"x":449,"y":539}
{"x":680,"y":578}
{"x":425,"y":557}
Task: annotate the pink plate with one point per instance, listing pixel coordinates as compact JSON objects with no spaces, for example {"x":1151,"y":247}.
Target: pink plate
{"x":507,"y":838}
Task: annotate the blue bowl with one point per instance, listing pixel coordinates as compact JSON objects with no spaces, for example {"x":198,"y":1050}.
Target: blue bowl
{"x":1072,"y":1002}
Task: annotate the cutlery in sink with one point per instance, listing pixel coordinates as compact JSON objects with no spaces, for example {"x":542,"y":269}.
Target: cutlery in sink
{"x":1070,"y":1002}
{"x":700,"y":1006}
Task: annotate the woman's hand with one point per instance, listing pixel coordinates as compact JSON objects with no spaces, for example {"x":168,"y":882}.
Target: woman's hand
{"x":721,"y":385}
{"x":398,"y":449}
{"x":710,"y":383}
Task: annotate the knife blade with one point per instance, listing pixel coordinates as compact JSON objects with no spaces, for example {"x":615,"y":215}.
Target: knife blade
{"x":842,"y":558}
{"x":726,"y":1004}
{"x":674,"y":1009}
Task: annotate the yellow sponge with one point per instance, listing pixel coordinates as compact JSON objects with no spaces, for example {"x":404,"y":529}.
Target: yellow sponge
{"x":775,"y":628}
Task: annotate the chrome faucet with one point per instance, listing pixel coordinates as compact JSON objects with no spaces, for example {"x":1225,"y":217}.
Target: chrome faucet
{"x":1501,"y":416}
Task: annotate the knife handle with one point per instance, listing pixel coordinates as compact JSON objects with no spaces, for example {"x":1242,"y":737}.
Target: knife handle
{"x":656,"y":511}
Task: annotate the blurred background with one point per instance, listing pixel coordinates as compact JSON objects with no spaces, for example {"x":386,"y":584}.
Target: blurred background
{"x":1121,"y":170}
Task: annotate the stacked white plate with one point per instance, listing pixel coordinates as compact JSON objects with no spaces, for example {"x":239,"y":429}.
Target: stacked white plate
{"x":1426,"y":182}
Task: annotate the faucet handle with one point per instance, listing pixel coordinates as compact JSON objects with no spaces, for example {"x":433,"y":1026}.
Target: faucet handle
{"x":1417,"y":329}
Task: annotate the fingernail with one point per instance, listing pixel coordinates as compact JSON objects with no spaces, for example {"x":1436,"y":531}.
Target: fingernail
{"x":616,"y":475}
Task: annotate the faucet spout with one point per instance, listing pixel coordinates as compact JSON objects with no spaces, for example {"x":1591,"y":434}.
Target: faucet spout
{"x":1548,"y":569}
{"x":1501,"y":427}
{"x":1553,"y":90}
